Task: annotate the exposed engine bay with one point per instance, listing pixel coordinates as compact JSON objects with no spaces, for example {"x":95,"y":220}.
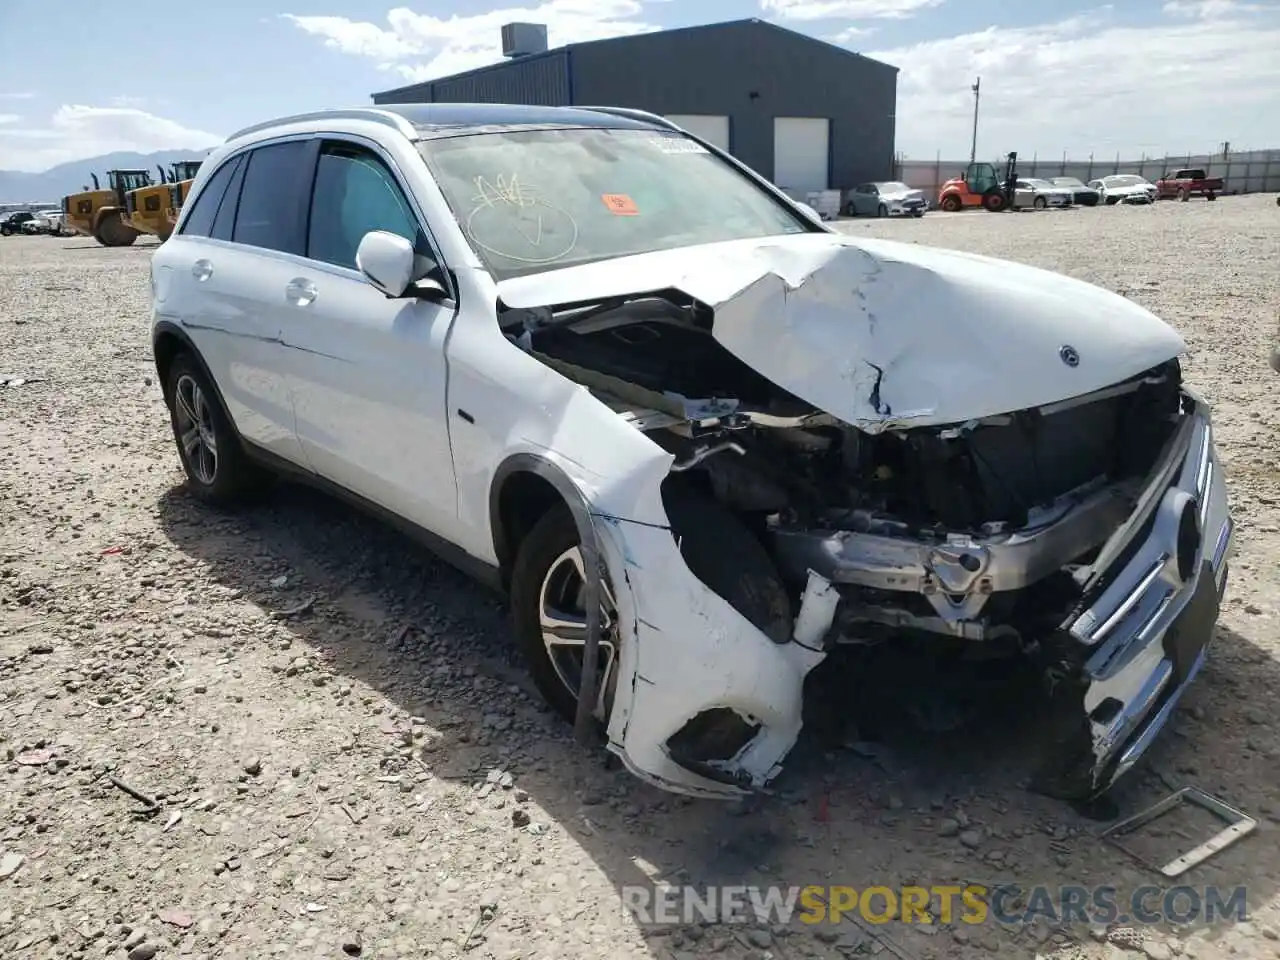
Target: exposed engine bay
{"x":975,"y":531}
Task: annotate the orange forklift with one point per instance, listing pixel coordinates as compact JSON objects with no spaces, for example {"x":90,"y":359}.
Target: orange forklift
{"x":979,"y":186}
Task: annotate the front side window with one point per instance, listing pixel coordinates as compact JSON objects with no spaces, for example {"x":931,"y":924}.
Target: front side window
{"x":268,"y":214}
{"x":354,"y":194}
{"x":535,"y":200}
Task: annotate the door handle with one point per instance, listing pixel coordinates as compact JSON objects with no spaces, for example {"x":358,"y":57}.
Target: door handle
{"x":300,"y":291}
{"x":202,"y":269}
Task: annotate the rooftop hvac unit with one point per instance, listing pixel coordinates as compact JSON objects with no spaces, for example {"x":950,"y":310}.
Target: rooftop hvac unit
{"x":523,"y":39}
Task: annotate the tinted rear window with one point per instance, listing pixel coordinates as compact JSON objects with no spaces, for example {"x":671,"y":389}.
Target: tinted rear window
{"x":199,"y":222}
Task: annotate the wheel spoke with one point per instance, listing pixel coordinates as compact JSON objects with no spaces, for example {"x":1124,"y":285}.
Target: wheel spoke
{"x":184,"y":408}
{"x":563,"y":629}
{"x":190,"y":440}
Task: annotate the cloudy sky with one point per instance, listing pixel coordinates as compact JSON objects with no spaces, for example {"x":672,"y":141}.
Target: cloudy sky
{"x":1133,"y":77}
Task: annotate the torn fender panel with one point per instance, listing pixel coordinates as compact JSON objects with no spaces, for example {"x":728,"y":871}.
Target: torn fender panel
{"x":684,"y":651}
{"x":884,"y":334}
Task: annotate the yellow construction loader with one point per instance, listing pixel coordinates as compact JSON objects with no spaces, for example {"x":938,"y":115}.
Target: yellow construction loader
{"x":184,"y":174}
{"x":145,"y":207}
{"x":101,"y":213}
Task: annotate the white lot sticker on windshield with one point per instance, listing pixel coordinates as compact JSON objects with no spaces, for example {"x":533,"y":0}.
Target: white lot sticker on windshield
{"x":678,"y":145}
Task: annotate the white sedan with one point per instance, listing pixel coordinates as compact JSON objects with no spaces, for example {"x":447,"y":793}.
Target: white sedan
{"x":1125,"y":188}
{"x":706,"y":444}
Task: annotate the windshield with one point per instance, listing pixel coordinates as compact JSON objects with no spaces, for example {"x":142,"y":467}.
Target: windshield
{"x":1039,"y":183}
{"x":1067,"y":182}
{"x":893,"y":186}
{"x":1126,"y":180}
{"x":535,"y":200}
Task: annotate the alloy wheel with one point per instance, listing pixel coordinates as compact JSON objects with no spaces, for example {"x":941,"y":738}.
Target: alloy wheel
{"x":563,"y":621}
{"x":196,"y":434}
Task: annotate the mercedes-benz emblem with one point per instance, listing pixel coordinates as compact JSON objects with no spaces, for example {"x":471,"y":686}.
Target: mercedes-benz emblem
{"x":1069,"y":355}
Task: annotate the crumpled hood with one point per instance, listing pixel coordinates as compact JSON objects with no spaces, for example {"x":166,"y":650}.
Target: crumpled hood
{"x":884,"y":334}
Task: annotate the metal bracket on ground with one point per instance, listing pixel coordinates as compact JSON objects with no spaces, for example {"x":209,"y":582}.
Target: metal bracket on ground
{"x":1239,"y":825}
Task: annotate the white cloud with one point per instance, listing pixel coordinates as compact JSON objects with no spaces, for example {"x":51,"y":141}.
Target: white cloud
{"x":422,"y":47}
{"x":850,"y":34}
{"x":22,"y":95}
{"x":1207,"y":8}
{"x":10,"y":117}
{"x":846,"y":9}
{"x":76,"y":131}
{"x":1086,"y":84}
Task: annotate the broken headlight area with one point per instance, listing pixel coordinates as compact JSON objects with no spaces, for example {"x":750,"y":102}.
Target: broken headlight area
{"x":988,"y":536}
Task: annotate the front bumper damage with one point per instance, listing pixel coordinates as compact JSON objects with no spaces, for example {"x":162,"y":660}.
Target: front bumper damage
{"x":690,"y":662}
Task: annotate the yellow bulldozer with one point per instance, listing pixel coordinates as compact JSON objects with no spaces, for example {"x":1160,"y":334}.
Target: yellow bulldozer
{"x":184,"y":174}
{"x":150,"y":209}
{"x":102,"y":213}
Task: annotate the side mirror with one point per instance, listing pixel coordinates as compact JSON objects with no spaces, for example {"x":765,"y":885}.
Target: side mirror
{"x":389,"y":263}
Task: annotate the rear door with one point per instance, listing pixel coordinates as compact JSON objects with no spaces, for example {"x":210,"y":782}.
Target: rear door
{"x":368,"y":372}
{"x":234,"y":267}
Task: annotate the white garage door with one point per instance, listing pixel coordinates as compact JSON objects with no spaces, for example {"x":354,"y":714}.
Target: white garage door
{"x":801,"y":153}
{"x":713,"y":129}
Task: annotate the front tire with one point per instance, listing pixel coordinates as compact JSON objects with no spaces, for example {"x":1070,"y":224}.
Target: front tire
{"x":547,"y":587}
{"x":882,"y":211}
{"x":217,"y":469}
{"x":950,"y":203}
{"x":1040,"y":203}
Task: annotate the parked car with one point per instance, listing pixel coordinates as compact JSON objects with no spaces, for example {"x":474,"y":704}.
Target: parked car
{"x":1124,"y":188}
{"x":884,"y":199}
{"x":1037,"y":193}
{"x":1083,"y":195}
{"x":1185,"y":184}
{"x":12,"y":223}
{"x":51,"y":222}
{"x":701,"y":439}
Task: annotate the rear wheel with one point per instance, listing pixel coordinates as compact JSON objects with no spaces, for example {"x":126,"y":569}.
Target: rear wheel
{"x":1211,"y":196}
{"x":950,"y":203}
{"x":1183,"y":195}
{"x":850,"y":210}
{"x":218,"y":471}
{"x":548,"y":585}
{"x":993,"y":202}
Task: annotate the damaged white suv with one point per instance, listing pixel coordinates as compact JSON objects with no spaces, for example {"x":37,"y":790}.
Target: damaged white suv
{"x":703,"y":441}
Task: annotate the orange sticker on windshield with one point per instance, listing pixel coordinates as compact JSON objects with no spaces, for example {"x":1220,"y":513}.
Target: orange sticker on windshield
{"x":620,"y":204}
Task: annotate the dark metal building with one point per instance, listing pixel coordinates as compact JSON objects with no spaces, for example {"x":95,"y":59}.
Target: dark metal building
{"x":807,"y":114}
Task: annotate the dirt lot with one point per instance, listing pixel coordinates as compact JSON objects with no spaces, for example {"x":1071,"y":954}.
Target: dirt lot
{"x":372,"y":775}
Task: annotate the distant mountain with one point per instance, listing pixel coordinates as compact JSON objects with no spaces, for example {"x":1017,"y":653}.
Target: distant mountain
{"x":54,"y":184}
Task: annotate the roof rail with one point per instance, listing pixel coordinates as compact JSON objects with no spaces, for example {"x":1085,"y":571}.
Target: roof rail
{"x":372,"y":114}
{"x":634,"y":114}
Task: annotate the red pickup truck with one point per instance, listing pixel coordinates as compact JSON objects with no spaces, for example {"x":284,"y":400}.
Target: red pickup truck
{"x":1185,"y":184}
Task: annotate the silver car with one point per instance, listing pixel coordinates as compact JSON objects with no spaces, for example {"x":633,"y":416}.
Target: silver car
{"x":1038,"y":194}
{"x":884,"y":199}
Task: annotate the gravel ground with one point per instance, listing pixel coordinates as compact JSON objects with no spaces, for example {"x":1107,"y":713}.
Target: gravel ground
{"x":345,"y":757}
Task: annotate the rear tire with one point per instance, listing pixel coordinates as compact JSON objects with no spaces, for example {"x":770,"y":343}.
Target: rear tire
{"x":1183,"y":195}
{"x":718,"y":549}
{"x":1211,"y":196}
{"x":218,"y":471}
{"x":993,"y":202}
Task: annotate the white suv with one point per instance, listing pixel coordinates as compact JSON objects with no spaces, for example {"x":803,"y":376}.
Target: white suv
{"x":705,"y":443}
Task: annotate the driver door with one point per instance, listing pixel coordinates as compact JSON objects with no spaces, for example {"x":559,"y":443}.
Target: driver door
{"x":367,"y":373}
